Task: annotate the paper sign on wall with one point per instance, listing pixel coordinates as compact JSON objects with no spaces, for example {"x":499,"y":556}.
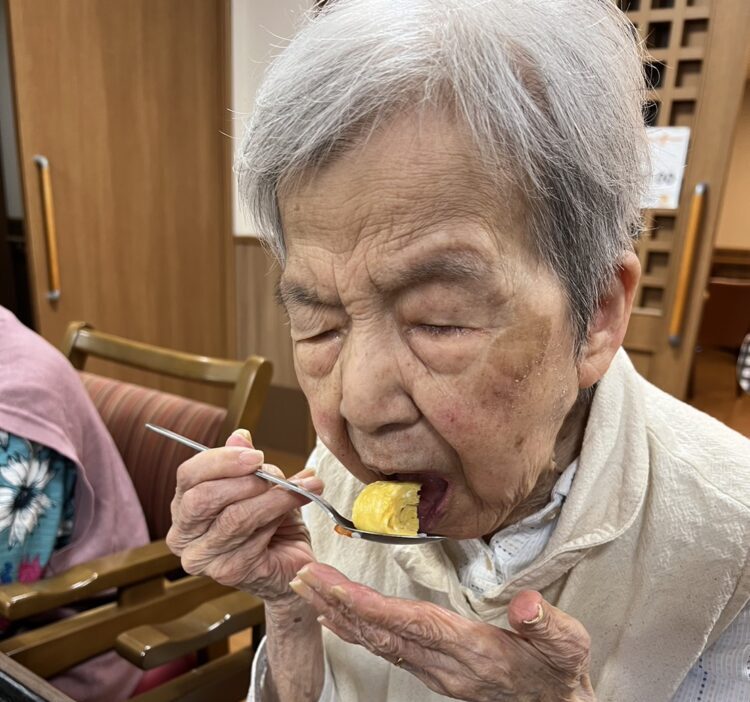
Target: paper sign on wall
{"x":669,"y":147}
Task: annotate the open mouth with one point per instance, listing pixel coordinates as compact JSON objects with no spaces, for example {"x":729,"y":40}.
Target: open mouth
{"x":432,"y":497}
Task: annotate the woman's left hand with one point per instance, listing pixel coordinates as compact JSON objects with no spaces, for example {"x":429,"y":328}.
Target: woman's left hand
{"x":547,"y":660}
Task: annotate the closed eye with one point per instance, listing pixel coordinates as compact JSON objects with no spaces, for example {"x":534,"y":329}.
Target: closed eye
{"x":321,"y":337}
{"x":442,"y":330}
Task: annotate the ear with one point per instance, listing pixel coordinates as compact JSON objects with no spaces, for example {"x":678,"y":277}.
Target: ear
{"x":610,"y":322}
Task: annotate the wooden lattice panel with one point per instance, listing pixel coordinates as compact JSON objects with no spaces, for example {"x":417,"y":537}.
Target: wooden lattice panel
{"x":674,"y":33}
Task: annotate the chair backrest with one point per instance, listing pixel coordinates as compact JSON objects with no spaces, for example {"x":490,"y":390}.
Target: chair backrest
{"x":151,"y":460}
{"x":249,"y":379}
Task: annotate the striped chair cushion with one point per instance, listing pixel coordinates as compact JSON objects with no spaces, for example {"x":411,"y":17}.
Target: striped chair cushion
{"x":152,"y":460}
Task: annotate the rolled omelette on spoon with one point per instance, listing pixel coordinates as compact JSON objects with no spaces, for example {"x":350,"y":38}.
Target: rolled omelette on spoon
{"x":386,"y":507}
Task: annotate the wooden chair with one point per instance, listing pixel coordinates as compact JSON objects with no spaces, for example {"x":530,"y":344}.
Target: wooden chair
{"x":148,"y":594}
{"x":152,"y":460}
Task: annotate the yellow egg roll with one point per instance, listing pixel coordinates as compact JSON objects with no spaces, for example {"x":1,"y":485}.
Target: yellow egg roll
{"x":388,"y":507}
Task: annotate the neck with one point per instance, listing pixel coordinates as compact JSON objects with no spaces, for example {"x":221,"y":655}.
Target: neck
{"x":570,"y":437}
{"x":567,"y":448}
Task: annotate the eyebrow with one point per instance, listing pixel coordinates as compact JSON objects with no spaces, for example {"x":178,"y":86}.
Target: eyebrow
{"x":290,"y":294}
{"x":449,"y":267}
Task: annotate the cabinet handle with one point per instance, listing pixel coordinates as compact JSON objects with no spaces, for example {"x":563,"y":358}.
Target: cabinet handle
{"x":50,"y":233}
{"x":683,"y":281}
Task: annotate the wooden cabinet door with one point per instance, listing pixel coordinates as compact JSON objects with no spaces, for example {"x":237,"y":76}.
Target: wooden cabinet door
{"x":698,"y":64}
{"x":126,"y":101}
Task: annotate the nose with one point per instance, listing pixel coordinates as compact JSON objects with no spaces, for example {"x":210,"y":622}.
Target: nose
{"x":374,"y":398}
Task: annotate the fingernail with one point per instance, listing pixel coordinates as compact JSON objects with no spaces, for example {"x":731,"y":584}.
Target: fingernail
{"x":243,"y":434}
{"x":311,"y":483}
{"x":341,"y":594}
{"x":537,"y":618}
{"x":323,"y":621}
{"x":308,"y":578}
{"x":301,"y":588}
{"x":250,"y":457}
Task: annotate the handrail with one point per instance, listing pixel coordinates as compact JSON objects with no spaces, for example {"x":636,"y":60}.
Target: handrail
{"x":50,"y":232}
{"x":686,"y":267}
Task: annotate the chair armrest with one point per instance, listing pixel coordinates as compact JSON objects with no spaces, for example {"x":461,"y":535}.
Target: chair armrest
{"x":226,"y":678}
{"x":20,"y":600}
{"x":153,"y":645}
{"x":53,"y":648}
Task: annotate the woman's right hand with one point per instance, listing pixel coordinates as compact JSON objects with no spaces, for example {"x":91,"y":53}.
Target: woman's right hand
{"x":237,"y":528}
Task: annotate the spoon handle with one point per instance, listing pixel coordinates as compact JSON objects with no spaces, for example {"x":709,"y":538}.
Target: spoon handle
{"x":261,"y":474}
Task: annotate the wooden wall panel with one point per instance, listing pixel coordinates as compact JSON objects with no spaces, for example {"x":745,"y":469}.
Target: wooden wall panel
{"x":733,"y":231}
{"x":126,"y":100}
{"x":641,"y":361}
{"x":261,"y":323}
{"x":697,"y":58}
{"x":262,"y":328}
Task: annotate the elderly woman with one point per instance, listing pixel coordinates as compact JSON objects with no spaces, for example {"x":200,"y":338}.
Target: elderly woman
{"x":452,"y":188}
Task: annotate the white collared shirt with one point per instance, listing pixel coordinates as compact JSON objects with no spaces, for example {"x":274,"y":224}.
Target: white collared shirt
{"x":482,"y":567}
{"x":722,"y":673}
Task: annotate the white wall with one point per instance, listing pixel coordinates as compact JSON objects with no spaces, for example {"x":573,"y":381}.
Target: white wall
{"x":8,"y":145}
{"x":259,"y":27}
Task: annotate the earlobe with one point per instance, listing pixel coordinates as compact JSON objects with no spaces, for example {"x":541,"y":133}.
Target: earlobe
{"x":610,"y":323}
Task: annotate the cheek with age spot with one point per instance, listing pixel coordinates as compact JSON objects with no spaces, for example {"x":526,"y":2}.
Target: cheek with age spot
{"x":526,"y":351}
{"x":522,"y":364}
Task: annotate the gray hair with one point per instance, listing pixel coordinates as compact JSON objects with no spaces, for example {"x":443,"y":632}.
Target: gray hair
{"x":551,"y":92}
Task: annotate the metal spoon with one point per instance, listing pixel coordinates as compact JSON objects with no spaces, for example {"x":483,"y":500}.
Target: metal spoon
{"x":343,"y":526}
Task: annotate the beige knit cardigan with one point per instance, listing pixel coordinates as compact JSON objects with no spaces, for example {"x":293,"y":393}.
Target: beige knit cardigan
{"x":650,"y":551}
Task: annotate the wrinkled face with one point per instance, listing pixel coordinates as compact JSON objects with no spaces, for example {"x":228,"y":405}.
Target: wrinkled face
{"x":430,"y":343}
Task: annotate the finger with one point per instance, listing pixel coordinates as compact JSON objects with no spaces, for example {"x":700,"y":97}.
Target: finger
{"x":215,"y":464}
{"x":435,"y":669}
{"x":194,"y":510}
{"x":348,"y":627}
{"x":203,"y":502}
{"x":438,"y":670}
{"x":558,"y":636}
{"x":427,"y":624}
{"x":341,"y":631}
{"x":234,"y":565}
{"x":238,"y":520}
{"x":324,"y":607}
{"x":305,"y":473}
{"x":321,"y":599}
{"x":306,"y":478}
{"x":215,"y":516}
{"x":240,"y":437}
